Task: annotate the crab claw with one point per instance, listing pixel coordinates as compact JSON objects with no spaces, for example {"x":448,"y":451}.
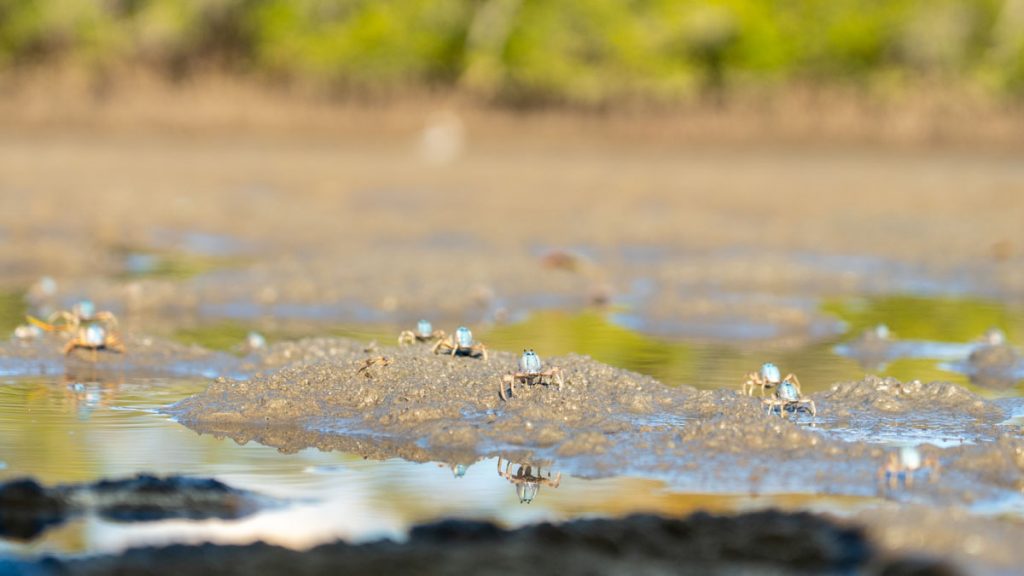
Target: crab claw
{"x":40,"y":323}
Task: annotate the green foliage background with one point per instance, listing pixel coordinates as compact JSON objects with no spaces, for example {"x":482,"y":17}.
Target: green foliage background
{"x":575,"y":51}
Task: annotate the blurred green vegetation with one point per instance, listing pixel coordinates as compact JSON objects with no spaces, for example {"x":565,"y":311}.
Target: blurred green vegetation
{"x":535,"y":51}
{"x":12,"y":310}
{"x":930,"y":318}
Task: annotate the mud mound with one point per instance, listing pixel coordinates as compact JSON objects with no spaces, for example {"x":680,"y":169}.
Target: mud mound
{"x":143,"y":354}
{"x":890,"y":396}
{"x":443,"y":400}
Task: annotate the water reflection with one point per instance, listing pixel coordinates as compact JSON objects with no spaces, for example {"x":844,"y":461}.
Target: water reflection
{"x":86,"y":395}
{"x":331,"y":495}
{"x":527,"y":482}
{"x":458,"y":470}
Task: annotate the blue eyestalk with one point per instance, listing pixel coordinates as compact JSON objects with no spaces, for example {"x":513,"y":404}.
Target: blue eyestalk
{"x":94,"y":336}
{"x":424,"y":328}
{"x":84,"y":309}
{"x":527,"y":491}
{"x":529,"y":362}
{"x":788,"y":392}
{"x":463,"y":337}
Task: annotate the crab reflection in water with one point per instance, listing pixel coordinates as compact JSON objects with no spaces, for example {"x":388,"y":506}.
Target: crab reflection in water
{"x":903,"y":464}
{"x":526,"y":481}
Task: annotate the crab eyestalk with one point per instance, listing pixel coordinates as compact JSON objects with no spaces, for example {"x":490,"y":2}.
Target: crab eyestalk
{"x":255,"y":341}
{"x":529,"y":362}
{"x":424,"y":328}
{"x":787,"y":391}
{"x":84,"y":309}
{"x":770,"y":373}
{"x":463,"y":337}
{"x":527,"y":491}
{"x":910,"y":458}
{"x":94,"y":336}
{"x":994,"y":337}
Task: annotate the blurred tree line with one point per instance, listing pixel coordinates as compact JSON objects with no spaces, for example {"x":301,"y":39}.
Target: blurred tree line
{"x":533,"y":51}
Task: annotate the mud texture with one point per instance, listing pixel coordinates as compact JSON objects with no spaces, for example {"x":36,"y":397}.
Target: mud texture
{"x":28,"y":508}
{"x":354,"y":226}
{"x":996,"y":366}
{"x":433,"y":406}
{"x":149,"y":356}
{"x":144,"y":355}
{"x":606,"y":421}
{"x":755,"y":543}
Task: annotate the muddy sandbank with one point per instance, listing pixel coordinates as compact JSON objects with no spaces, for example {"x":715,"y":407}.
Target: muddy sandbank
{"x":606,"y":421}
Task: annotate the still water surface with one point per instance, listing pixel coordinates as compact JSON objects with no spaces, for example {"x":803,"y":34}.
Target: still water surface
{"x":82,"y":431}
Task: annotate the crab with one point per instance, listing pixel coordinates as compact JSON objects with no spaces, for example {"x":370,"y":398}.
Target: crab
{"x":768,"y":377}
{"x":424,"y":333}
{"x":527,"y":484}
{"x":903,"y":464}
{"x":81,"y":312}
{"x":993,"y":337}
{"x":370,"y":363}
{"x":787,"y":398}
{"x":530,"y":371}
{"x":94,"y":336}
{"x":461,"y":344}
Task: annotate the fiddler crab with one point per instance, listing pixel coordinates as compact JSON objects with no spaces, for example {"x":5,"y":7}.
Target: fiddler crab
{"x":424,"y":333}
{"x":90,"y":329}
{"x":461,"y":344}
{"x":81,"y":312}
{"x":903,"y":464}
{"x":94,"y":336}
{"x":787,"y":398}
{"x":369,"y":363}
{"x":530,"y":371}
{"x":768,"y":377}
{"x":527,"y":483}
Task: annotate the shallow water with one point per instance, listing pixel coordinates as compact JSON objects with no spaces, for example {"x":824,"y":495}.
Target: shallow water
{"x":64,"y":431}
{"x":937,"y":343}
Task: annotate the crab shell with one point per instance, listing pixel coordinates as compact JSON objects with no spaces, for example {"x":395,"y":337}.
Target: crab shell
{"x":527,"y":491}
{"x":84,"y":309}
{"x":787,"y":391}
{"x":424,"y":328}
{"x":529,"y":362}
{"x":770,"y":373}
{"x":94,"y":336}
{"x":910,"y":458}
{"x":255,"y":341}
{"x":463,"y":337}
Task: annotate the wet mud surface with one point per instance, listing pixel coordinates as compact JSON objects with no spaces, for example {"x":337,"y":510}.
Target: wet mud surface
{"x":606,"y":421}
{"x":722,"y":243}
{"x":755,"y":543}
{"x":725,"y":245}
{"x":28,"y":508}
{"x":338,"y":394}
